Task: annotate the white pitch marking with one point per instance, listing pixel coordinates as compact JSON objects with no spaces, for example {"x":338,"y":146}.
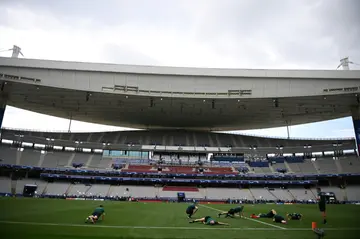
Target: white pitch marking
{"x":174,"y":228}
{"x":247,"y":218}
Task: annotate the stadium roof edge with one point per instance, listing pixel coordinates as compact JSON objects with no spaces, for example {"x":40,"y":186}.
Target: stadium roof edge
{"x":170,"y":70}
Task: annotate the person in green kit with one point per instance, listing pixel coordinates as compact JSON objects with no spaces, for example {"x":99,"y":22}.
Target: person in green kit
{"x":98,"y":212}
{"x":231,"y":213}
{"x":191,"y":210}
{"x":322,"y":203}
{"x":294,"y":216}
{"x":209,"y":221}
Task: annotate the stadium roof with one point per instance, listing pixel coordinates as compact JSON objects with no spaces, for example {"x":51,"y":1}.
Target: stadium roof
{"x":253,"y":99}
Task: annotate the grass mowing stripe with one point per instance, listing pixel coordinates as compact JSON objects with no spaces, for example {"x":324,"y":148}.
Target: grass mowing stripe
{"x":247,"y":218}
{"x":173,"y":228}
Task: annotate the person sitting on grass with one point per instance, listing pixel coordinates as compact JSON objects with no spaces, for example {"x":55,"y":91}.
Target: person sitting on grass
{"x":231,"y":213}
{"x":209,"y":221}
{"x":270,"y":214}
{"x":94,"y":217}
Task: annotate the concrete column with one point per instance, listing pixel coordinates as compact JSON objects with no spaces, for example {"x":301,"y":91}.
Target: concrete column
{"x":355,"y":111}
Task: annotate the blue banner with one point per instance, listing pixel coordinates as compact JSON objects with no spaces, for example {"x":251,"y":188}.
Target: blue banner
{"x":182,"y":175}
{"x":176,"y":180}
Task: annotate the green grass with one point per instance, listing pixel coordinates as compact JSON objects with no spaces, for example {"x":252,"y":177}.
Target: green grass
{"x":54,"y":219}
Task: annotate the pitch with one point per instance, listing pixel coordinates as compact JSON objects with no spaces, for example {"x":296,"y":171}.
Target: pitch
{"x":51,"y":218}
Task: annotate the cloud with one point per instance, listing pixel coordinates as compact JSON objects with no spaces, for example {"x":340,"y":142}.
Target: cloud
{"x":230,"y":33}
{"x":126,"y":55}
{"x":312,"y":34}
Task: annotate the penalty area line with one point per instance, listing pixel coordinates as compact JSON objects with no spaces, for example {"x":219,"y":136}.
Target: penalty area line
{"x":247,"y":218}
{"x":171,"y":228}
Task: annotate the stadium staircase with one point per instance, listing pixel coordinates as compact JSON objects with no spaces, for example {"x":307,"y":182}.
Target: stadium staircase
{"x":217,"y":140}
{"x":292,"y":195}
{"x":316,"y":166}
{"x":69,"y":188}
{"x":338,"y":166}
{"x":272,"y":168}
{"x":88,"y":162}
{"x":69,"y":164}
{"x":312,"y":192}
{"x":13,"y":187}
{"x":210,"y":140}
{"x":187,"y":139}
{"x":116,"y":139}
{"x":88,"y":189}
{"x":101,"y":137}
{"x":18,"y":157}
{"x":234,"y":141}
{"x":111,"y":188}
{"x":89,"y":138}
{"x":288,"y":167}
{"x":345,"y":194}
{"x":42,"y":158}
{"x":273,"y":194}
{"x":194,"y":138}
{"x":45,"y":189}
{"x":252,"y":194}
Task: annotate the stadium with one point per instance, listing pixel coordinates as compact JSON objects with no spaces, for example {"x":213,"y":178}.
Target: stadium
{"x":146,"y":178}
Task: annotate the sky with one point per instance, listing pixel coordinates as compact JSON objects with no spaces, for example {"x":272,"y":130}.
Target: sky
{"x":261,"y":34}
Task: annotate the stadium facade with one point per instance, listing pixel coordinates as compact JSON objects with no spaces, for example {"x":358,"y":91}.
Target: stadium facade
{"x":177,"y":110}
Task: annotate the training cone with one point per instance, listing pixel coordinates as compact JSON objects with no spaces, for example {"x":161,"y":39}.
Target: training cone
{"x":313,"y":225}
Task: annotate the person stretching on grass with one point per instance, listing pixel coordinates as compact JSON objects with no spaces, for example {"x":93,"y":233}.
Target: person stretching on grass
{"x":270,"y":214}
{"x":191,"y":210}
{"x":294,"y":216}
{"x":279,"y":219}
{"x":231,"y":213}
{"x":209,"y":221}
{"x":98,"y":212}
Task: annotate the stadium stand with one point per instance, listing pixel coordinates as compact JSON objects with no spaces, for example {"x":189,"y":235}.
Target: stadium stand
{"x":133,"y":191}
{"x":5,"y":185}
{"x":8,"y":154}
{"x":56,"y":188}
{"x":326,"y":165}
{"x":262,"y":194}
{"x":175,"y":160}
{"x":175,"y":138}
{"x":228,"y":193}
{"x":350,"y":164}
{"x":353,"y":193}
{"x":302,"y":194}
{"x":98,"y":190}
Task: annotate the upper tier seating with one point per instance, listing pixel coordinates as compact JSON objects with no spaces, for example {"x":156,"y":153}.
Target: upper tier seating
{"x":176,"y":138}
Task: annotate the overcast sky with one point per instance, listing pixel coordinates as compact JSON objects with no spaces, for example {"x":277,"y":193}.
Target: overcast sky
{"x":297,"y":34}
